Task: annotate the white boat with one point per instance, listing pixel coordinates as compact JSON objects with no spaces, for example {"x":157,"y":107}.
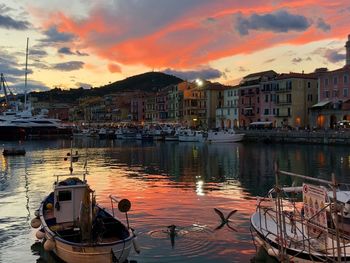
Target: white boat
{"x":191,"y":136}
{"x":77,"y":229}
{"x":224,"y":136}
{"x":304,"y":230}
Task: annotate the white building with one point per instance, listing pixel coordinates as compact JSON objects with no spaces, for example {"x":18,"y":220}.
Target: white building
{"x":227,"y":116}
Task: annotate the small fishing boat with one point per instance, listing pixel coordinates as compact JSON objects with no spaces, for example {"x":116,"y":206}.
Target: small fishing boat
{"x":305,"y":223}
{"x":14,"y":151}
{"x":78,"y":230}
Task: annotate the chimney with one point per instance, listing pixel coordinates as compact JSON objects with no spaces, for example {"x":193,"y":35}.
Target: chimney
{"x":347,"y":46}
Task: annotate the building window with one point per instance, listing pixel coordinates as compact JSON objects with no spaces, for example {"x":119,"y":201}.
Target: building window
{"x":289,"y":112}
{"x":346,"y":79}
{"x":326,"y":82}
{"x":257,"y":110}
{"x":267,"y":98}
{"x":235,"y":111}
{"x":273,"y":111}
{"x":335,"y":93}
{"x":228,"y":112}
{"x":326,"y":94}
{"x":308,"y":84}
{"x":335,"y":80}
{"x":345,"y":92}
{"x":266,"y":111}
{"x":277,"y":111}
{"x":289,"y":98}
{"x":309,"y":97}
{"x":258,"y":99}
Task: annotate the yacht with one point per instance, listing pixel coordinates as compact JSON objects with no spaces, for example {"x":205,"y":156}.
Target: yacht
{"x":224,"y":136}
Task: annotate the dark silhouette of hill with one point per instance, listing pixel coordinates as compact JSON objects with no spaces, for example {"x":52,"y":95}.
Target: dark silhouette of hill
{"x":147,"y":82}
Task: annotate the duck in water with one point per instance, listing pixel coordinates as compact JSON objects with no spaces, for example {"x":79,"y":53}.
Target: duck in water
{"x":224,"y":220}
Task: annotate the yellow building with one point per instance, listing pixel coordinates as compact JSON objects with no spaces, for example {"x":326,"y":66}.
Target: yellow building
{"x":295,"y":93}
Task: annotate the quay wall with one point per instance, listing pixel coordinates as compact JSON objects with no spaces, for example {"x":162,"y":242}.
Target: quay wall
{"x":306,"y":137}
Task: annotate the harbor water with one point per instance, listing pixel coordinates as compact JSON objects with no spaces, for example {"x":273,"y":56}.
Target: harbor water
{"x":168,"y":183}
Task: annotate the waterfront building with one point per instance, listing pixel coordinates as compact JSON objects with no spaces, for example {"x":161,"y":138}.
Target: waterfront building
{"x":214,"y":100}
{"x":174,"y":103}
{"x":295,"y":93}
{"x":137,"y":107}
{"x":333,"y":104}
{"x":249,"y":96}
{"x":150,"y":110}
{"x":227,"y":116}
{"x":193,"y":104}
{"x":161,"y":105}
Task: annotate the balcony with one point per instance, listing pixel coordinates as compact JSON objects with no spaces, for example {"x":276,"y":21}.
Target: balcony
{"x":283,"y":102}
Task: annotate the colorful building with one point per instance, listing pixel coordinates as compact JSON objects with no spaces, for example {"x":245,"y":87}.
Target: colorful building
{"x":249,"y":96}
{"x":333,"y":104}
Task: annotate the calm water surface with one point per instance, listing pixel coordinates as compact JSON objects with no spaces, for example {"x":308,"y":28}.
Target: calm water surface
{"x":167,"y":183}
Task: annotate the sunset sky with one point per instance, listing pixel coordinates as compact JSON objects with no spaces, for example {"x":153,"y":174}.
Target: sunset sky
{"x":91,"y":43}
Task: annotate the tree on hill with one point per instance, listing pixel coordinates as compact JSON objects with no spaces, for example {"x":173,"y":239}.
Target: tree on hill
{"x":147,"y":82}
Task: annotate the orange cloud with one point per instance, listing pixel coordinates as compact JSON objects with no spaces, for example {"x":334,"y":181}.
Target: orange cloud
{"x":198,"y":35}
{"x":114,"y":68}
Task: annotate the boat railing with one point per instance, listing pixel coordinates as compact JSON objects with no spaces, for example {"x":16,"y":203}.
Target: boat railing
{"x":124,"y":206}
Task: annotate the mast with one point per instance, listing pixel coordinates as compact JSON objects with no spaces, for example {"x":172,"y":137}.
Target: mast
{"x":25,"y":77}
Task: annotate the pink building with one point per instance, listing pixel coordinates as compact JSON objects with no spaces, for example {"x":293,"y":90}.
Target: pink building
{"x":333,"y":98}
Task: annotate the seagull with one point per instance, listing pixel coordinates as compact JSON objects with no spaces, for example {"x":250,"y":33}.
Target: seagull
{"x":225,"y":220}
{"x":172,"y":233}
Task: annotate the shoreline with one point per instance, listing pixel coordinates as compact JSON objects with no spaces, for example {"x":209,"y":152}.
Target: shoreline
{"x":328,"y":137}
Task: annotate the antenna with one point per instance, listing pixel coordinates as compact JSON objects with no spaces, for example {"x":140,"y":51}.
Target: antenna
{"x":25,"y":78}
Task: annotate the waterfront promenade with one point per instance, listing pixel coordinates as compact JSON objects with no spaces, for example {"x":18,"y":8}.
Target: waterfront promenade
{"x":330,"y":137}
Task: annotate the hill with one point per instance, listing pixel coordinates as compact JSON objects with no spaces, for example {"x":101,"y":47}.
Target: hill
{"x":148,"y":82}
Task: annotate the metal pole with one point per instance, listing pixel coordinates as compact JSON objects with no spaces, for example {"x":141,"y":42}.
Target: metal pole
{"x":282,"y":255}
{"x":335,"y":211}
{"x":25,"y":77}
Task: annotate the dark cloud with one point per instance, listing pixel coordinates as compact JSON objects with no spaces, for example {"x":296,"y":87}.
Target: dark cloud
{"x":69,"y":66}
{"x":279,"y":21}
{"x":31,"y":86}
{"x":65,"y":50}
{"x":54,"y":36}
{"x":297,"y":60}
{"x":269,"y":60}
{"x":242,"y":69}
{"x":37,"y":52}
{"x":321,"y":24}
{"x":10,"y":23}
{"x":207,"y":73}
{"x":333,"y":55}
{"x":68,"y":51}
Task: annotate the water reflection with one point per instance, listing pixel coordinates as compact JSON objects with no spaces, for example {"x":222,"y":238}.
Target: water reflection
{"x":169,"y":184}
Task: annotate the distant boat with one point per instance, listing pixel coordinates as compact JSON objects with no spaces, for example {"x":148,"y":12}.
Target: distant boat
{"x":77,"y":229}
{"x":224,"y":136}
{"x":191,"y":136}
{"x":14,"y":151}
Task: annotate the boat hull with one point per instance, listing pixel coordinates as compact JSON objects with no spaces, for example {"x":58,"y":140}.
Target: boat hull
{"x":92,"y":254}
{"x":266,"y":237}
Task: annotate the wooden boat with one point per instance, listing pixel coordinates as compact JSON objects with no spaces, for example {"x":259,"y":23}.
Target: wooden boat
{"x":302,"y":224}
{"x":77,"y":229}
{"x":14,"y":151}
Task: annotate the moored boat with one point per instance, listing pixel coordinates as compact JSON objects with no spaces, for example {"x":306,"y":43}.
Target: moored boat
{"x":224,"y":136}
{"x":304,"y":223}
{"x":191,"y":136}
{"x":77,"y":229}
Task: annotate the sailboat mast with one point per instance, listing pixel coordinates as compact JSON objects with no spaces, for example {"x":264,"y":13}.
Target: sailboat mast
{"x":25,"y":78}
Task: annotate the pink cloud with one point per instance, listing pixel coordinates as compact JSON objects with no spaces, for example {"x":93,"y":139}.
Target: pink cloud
{"x":194,"y":34}
{"x":114,"y":68}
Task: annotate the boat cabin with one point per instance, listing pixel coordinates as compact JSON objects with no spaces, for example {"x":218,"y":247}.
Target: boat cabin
{"x":69,"y":196}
